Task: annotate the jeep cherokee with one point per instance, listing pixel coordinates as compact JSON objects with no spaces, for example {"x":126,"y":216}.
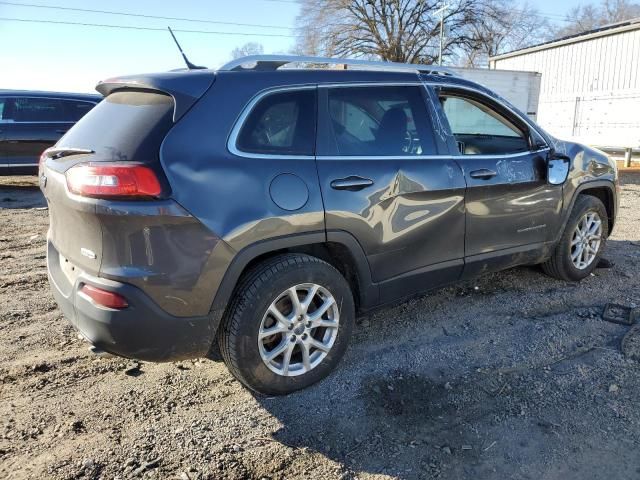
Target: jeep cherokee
{"x":261,"y":207}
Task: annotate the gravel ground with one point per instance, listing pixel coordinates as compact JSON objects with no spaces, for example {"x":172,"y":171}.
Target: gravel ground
{"x":512,"y":376}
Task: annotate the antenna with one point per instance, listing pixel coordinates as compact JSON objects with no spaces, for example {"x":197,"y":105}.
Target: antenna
{"x":190,"y":65}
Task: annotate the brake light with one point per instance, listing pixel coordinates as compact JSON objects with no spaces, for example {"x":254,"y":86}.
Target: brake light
{"x":108,"y":181}
{"x":105,"y":298}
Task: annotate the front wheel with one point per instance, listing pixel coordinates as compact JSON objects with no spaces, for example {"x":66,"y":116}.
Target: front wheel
{"x":577,"y":253}
{"x":288,"y":325}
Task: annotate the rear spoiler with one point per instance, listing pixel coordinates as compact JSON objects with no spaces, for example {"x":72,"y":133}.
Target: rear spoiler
{"x":186,"y":86}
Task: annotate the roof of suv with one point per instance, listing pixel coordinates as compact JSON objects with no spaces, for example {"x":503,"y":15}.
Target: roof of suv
{"x":324,"y":76}
{"x":186,"y":86}
{"x":194,"y":82}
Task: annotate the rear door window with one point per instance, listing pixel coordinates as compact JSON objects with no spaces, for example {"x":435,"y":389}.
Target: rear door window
{"x":380,"y":121}
{"x":32,"y":109}
{"x":281,"y":123}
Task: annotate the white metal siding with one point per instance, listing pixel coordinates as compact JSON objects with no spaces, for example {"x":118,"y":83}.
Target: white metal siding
{"x":590,"y":90}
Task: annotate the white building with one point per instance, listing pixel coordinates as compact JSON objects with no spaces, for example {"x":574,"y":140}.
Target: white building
{"x":590,"y":89}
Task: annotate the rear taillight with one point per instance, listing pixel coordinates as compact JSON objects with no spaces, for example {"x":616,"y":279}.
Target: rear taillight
{"x":105,"y":298}
{"x":108,"y":181}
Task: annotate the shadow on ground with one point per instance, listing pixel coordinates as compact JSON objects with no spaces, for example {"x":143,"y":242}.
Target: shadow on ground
{"x":481,"y":385}
{"x":21,"y":192}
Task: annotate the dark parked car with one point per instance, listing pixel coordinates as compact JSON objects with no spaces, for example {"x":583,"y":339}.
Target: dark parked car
{"x":262,"y":207}
{"x":31,"y":121}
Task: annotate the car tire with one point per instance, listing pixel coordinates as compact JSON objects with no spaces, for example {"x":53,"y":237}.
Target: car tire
{"x":563,"y":264}
{"x":263,"y":302}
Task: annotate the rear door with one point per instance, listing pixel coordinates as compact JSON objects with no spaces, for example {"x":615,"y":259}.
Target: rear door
{"x":511,"y":210}
{"x":385,"y":182}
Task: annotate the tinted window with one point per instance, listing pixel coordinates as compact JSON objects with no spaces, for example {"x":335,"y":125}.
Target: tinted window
{"x":281,"y":123}
{"x":479,"y":129}
{"x":126,"y":125}
{"x":75,"y":110}
{"x":390,"y":121}
{"x":3,"y":112}
{"x":38,"y":110}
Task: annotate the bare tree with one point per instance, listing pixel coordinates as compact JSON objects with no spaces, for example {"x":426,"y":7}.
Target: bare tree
{"x":588,"y":17}
{"x":392,"y":30}
{"x":251,"y":48}
{"x":503,"y":28}
{"x":409,"y":30}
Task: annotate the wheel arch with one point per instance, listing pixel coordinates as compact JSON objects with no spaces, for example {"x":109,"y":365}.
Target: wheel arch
{"x":340,"y":249}
{"x":599,"y":189}
{"x":606,"y":196}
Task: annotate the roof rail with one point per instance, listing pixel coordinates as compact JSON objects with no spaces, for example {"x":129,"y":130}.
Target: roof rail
{"x":273,"y":62}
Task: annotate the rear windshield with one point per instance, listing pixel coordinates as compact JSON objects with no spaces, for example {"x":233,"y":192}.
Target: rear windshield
{"x":127,"y":125}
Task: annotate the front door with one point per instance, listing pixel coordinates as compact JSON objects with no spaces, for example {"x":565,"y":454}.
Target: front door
{"x":384,"y":182}
{"x":511,"y":209}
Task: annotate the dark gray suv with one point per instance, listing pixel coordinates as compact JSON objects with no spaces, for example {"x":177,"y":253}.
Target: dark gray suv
{"x":261,"y":207}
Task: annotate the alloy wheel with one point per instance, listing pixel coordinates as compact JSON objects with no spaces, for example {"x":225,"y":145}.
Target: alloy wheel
{"x":586,"y":240}
{"x":298,"y":329}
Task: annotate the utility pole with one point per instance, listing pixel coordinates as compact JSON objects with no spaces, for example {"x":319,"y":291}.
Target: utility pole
{"x":441,"y":11}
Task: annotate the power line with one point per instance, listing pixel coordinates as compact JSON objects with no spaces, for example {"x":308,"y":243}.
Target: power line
{"x":128,"y":27}
{"x":141,"y":15}
{"x":552,"y":16}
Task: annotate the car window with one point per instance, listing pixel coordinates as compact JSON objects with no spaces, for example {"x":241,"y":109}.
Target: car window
{"x":126,"y":125}
{"x":480,"y":129}
{"x":356,"y":121}
{"x":74,"y":110}
{"x":3,"y":101}
{"x":281,"y":123}
{"x":32,"y":109}
{"x":380,"y":121}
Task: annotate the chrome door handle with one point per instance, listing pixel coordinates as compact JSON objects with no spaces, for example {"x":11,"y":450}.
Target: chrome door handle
{"x":352,"y":183}
{"x":483,"y":173}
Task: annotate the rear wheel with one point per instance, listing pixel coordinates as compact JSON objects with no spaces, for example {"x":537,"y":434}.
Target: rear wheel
{"x":288,"y":325}
{"x":577,"y":253}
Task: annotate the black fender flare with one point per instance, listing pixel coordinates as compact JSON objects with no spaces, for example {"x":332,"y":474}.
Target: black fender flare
{"x":609,"y":184}
{"x":368,"y":291}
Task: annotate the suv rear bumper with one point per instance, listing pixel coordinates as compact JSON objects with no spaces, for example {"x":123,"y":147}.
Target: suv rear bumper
{"x":142,"y":331}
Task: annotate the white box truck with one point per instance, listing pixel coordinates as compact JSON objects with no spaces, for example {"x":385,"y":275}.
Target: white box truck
{"x":522,"y":89}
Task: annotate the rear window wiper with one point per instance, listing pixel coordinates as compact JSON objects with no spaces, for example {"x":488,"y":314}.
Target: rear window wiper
{"x":66,"y":152}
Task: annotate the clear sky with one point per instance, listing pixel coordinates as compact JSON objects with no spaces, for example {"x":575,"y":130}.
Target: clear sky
{"x":49,"y":56}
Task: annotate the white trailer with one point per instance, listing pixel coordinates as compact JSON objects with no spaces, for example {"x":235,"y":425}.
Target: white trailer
{"x":520,"y":88}
{"x":590,"y":85}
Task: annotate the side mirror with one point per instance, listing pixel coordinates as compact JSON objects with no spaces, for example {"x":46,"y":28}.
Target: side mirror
{"x":557,"y":167}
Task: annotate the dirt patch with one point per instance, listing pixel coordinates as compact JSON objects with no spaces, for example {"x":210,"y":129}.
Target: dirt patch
{"x":514,"y":375}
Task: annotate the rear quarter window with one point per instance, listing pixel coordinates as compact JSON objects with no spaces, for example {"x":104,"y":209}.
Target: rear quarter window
{"x":281,"y":123}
